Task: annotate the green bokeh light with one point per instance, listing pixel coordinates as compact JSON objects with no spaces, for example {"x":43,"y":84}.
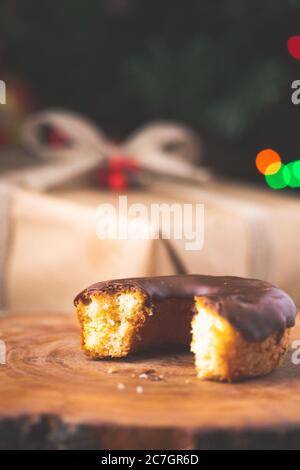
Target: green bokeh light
{"x":294,"y":169}
{"x":281,"y":179}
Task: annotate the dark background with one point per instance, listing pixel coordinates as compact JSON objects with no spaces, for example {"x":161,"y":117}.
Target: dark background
{"x":220,"y":66}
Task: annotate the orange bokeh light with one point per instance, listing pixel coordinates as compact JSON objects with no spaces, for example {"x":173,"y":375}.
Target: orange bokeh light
{"x":268,"y":162}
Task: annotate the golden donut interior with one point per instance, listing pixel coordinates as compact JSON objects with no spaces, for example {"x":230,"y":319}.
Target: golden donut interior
{"x":110,"y":321}
{"x":222,"y":353}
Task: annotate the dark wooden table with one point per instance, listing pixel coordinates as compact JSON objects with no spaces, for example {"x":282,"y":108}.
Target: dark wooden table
{"x":52,"y":396}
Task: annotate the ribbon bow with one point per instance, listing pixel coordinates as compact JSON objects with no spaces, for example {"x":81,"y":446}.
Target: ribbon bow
{"x":70,"y":145}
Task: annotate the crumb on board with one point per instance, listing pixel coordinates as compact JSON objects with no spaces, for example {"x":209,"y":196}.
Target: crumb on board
{"x":120,"y":386}
{"x":151,"y":374}
{"x":112,"y":370}
{"x":139,"y":389}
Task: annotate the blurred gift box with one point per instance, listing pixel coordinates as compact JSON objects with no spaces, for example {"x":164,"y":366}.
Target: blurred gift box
{"x":50,"y":249}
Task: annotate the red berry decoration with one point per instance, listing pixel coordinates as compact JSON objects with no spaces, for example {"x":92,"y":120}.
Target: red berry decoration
{"x":117,"y":181}
{"x":118,"y":173}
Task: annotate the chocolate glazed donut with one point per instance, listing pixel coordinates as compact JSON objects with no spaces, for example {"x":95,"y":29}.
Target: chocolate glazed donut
{"x":240,"y":327}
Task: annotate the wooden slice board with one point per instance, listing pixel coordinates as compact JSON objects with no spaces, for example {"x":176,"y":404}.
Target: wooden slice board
{"x":52,"y":396}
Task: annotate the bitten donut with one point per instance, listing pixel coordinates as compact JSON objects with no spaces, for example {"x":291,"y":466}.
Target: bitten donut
{"x":240,"y":327}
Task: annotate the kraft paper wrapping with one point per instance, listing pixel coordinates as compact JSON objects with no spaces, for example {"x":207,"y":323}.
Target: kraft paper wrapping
{"x":6,"y":192}
{"x":257,"y":233}
{"x":54,"y":252}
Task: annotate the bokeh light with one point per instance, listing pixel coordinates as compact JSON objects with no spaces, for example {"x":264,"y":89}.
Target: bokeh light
{"x":293,"y":46}
{"x":279,"y":180}
{"x":294,"y":169}
{"x":268,"y":162}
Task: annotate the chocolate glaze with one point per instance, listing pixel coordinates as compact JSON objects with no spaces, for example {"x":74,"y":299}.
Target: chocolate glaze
{"x":255,"y":308}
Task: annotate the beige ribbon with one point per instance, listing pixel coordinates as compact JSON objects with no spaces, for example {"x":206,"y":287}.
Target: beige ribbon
{"x":163,"y":149}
